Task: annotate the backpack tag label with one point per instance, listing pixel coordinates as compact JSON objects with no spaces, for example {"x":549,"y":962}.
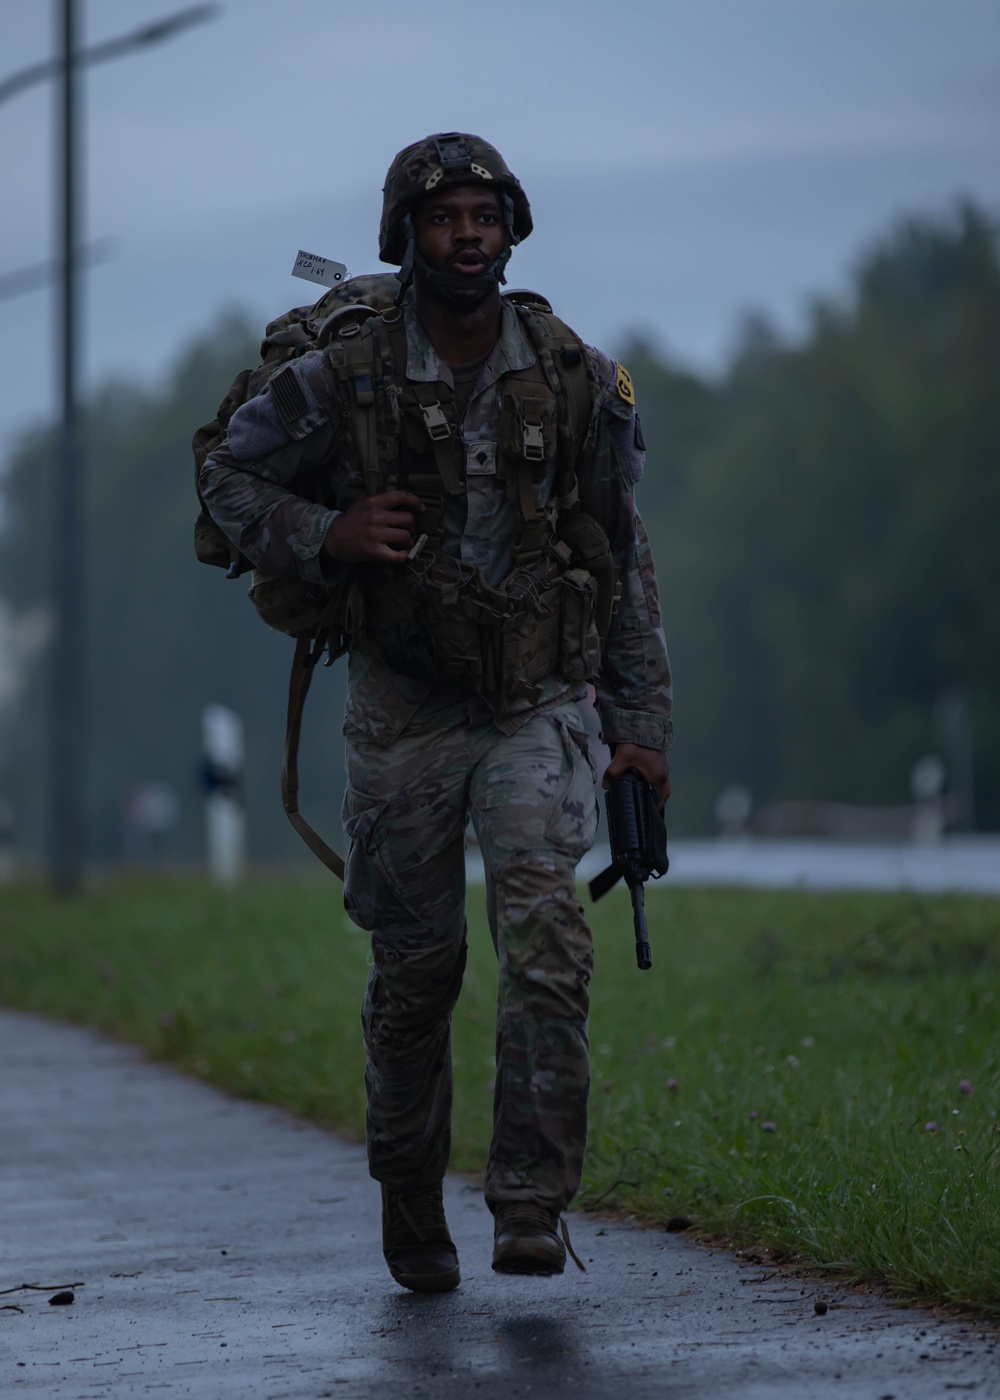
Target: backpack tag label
{"x":316,"y":269}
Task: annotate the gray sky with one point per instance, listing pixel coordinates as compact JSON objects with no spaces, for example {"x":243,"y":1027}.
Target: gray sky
{"x":686,"y":159}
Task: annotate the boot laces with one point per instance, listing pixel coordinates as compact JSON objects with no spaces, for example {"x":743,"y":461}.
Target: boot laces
{"x":424,"y":1213}
{"x":528,"y":1216}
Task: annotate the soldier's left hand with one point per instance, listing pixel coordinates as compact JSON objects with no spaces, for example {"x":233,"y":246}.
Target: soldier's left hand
{"x":651,"y":763}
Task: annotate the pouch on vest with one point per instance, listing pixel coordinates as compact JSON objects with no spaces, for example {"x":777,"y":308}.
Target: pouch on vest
{"x":426,"y":619}
{"x":579,"y":638}
{"x":528,"y":438}
{"x":529,"y":640}
{"x":530,"y":646}
{"x":591,"y":548}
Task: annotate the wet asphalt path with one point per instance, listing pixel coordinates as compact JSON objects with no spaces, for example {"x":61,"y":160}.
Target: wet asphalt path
{"x":225,"y":1250}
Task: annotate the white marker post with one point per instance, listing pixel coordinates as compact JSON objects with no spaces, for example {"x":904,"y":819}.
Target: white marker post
{"x":732,"y":812}
{"x":927,"y":786}
{"x":222,"y":773}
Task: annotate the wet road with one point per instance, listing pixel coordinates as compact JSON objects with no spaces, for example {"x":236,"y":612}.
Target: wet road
{"x":222,"y":1249}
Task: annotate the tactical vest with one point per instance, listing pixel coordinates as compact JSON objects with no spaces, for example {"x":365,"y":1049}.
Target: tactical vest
{"x":436,"y":618}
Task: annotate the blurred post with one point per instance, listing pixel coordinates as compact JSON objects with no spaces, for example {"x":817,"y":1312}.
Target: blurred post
{"x":6,"y":841}
{"x":955,"y":728}
{"x":222,"y":774}
{"x":151,"y":811}
{"x":732,"y":811}
{"x":66,"y":669}
{"x":927,"y":786}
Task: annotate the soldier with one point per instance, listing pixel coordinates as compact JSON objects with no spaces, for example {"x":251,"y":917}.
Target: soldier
{"x":482,"y":462}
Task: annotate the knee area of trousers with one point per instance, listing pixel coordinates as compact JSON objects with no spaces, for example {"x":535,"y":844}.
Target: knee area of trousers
{"x":536,"y":889}
{"x":410,"y":994}
{"x":425,"y":966}
{"x":545,"y":945}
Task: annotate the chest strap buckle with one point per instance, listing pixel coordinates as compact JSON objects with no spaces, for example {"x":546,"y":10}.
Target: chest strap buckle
{"x":435,"y":421}
{"x":534,"y":443}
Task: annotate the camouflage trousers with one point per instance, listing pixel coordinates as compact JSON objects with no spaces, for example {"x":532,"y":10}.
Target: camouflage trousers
{"x":531,"y":799}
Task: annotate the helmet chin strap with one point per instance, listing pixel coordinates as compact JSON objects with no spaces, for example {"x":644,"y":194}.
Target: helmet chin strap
{"x":456,"y":289}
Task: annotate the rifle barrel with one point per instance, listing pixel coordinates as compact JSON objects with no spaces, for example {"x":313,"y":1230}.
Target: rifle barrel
{"x":643,"y":953}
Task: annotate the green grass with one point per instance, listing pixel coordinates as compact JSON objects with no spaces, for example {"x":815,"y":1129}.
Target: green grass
{"x":847,"y":1022}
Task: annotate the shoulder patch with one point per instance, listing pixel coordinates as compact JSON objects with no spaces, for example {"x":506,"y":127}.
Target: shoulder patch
{"x":288,"y":397}
{"x":623,"y":385}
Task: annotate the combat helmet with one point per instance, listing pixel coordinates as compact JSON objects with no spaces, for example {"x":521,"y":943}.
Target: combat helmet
{"x":446,"y":158}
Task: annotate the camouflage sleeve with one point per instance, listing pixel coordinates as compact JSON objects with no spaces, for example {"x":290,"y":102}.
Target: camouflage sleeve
{"x":249,"y":482}
{"x":634,"y":695}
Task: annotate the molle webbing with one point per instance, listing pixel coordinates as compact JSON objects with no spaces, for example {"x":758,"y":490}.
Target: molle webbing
{"x":408,"y":435}
{"x":428,"y":411}
{"x":564,"y":364}
{"x":359,"y":366}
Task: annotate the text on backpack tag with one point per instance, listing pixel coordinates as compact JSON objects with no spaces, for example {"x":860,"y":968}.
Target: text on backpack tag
{"x":623,"y":383}
{"x":316,"y":269}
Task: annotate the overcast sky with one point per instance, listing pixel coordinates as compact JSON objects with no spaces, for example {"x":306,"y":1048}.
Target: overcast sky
{"x":686,"y":159}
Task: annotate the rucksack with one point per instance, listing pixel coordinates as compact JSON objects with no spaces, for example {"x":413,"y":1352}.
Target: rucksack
{"x":285,"y":339}
{"x":305,"y":611}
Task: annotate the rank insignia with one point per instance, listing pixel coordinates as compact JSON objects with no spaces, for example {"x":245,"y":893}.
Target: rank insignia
{"x":623,"y":383}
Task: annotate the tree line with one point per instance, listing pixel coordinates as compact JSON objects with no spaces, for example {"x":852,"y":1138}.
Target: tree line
{"x":824,"y":516}
{"x":826,"y":520}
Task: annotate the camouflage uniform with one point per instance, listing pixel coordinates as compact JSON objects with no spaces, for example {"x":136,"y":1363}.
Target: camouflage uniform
{"x":422,"y":758}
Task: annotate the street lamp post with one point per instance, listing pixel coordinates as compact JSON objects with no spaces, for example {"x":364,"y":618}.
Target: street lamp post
{"x":67,"y":671}
{"x":68,"y":697}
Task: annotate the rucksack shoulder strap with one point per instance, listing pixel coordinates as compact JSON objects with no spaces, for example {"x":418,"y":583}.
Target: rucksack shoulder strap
{"x":563,"y":359}
{"x":353,"y":314}
{"x":361,"y":354}
{"x":521,"y":296}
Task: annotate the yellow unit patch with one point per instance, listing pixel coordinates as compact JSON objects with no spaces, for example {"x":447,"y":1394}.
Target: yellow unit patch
{"x":623,"y":383}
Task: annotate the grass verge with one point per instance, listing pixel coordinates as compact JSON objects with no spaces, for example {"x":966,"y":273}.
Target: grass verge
{"x":817,"y":1072}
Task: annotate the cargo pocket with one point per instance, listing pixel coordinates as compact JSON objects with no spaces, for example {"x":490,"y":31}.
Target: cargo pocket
{"x":398,"y":873}
{"x":360,"y":868}
{"x":374,"y":894}
{"x":571,"y":825}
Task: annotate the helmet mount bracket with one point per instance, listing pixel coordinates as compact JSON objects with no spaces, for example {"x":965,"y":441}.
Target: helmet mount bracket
{"x":453,"y":151}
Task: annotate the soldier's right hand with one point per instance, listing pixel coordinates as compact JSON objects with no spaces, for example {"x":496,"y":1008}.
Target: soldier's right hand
{"x":374,"y":529}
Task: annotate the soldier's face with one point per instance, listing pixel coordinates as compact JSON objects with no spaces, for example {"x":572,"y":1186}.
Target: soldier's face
{"x":461,"y":230}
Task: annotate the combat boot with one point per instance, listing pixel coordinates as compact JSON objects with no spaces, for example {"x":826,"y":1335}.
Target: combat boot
{"x":525,"y":1240}
{"x":415,"y":1241}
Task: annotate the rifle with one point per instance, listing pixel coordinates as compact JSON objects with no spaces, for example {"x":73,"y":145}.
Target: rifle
{"x":638,"y":836}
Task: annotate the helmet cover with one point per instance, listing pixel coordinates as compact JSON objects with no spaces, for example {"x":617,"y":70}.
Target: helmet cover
{"x":446,"y":158}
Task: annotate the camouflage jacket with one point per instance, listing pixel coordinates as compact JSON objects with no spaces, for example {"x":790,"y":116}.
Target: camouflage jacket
{"x":245,"y":485}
